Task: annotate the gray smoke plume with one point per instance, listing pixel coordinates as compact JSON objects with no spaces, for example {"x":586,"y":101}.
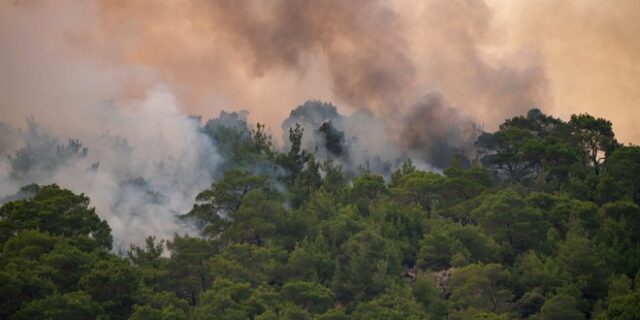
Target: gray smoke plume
{"x":362,"y":139}
{"x":354,"y":141}
{"x":361,"y":41}
{"x":435,"y":132}
{"x":381,"y":56}
{"x":371,"y":67}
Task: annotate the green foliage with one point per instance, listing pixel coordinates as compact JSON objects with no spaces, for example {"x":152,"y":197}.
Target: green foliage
{"x":367,"y":188}
{"x":21,"y":282}
{"x":426,"y":292}
{"x":419,"y":189}
{"x":155,"y":304}
{"x":540,"y":150}
{"x":309,"y":295}
{"x":398,"y":304}
{"x":535,"y":274}
{"x":308,"y":181}
{"x":561,"y":307}
{"x":479,"y":288}
{"x":488,"y":316}
{"x":311,"y":261}
{"x":596,"y":138}
{"x":508,"y":218}
{"x":240,"y":147}
{"x":111,"y":283}
{"x":188,"y":274}
{"x":66,"y":264}
{"x":404,"y":226}
{"x":334,"y":181}
{"x":620,"y":178}
{"x":546,"y":225}
{"x":57,"y":211}
{"x":240,"y":207}
{"x":367,"y":265}
{"x":580,"y":264}
{"x":450,"y":244}
{"x":293,"y":161}
{"x":150,"y":256}
{"x":248,"y":263}
{"x":617,"y":237}
{"x":73,"y":305}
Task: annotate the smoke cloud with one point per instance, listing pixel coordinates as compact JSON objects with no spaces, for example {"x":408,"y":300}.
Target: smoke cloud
{"x":268,"y":56}
{"x":355,"y":141}
{"x":590,"y":50}
{"x":140,"y":174}
{"x":412,"y":78}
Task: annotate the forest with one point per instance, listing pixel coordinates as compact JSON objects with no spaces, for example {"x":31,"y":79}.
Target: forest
{"x":541,"y":221}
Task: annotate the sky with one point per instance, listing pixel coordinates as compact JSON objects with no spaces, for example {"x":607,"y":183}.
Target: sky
{"x":487,"y":60}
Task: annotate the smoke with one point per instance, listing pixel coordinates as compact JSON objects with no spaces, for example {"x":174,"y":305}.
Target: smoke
{"x":362,"y":139}
{"x":267,"y":56}
{"x":489,"y":59}
{"x":140,"y":174}
{"x":370,"y":58}
{"x":412,"y":78}
{"x":591,"y":55}
{"x":445,"y":135}
{"x":357,"y":140}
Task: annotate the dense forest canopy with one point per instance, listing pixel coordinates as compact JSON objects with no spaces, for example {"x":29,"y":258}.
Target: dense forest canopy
{"x":541,"y":222}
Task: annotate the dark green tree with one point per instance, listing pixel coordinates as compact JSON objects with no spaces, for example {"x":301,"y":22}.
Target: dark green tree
{"x":56,"y":211}
{"x":188,"y":272}
{"x":596,"y":138}
{"x":561,"y":307}
{"x":73,"y":305}
{"x":479,"y":288}
{"x":111,"y":283}
{"x":619,"y":180}
{"x":293,"y":161}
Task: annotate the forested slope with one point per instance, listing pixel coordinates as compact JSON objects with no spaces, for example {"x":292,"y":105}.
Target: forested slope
{"x":543,"y":223}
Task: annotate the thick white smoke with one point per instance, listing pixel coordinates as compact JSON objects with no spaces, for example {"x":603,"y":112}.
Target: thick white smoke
{"x":140,"y":172}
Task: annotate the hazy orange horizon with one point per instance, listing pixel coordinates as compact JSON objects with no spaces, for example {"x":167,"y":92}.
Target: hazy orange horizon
{"x":491,"y":60}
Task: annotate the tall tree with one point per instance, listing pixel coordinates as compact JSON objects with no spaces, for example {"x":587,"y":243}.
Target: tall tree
{"x":595,"y":137}
{"x":57,"y":211}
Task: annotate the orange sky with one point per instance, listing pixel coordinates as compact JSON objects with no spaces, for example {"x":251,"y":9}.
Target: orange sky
{"x":491,"y":60}
{"x":591,"y":52}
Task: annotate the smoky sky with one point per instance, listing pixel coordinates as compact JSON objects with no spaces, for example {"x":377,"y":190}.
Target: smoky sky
{"x":410,"y":78}
{"x":489,"y":59}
